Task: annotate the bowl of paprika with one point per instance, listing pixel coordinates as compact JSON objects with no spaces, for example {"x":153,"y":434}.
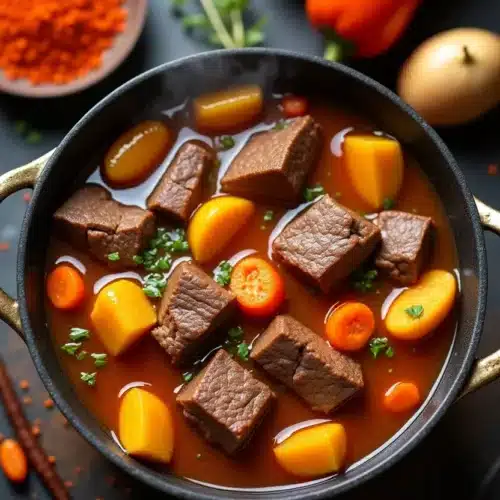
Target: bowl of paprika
{"x":51,"y":49}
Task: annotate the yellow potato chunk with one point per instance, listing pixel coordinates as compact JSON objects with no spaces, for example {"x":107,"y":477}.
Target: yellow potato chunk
{"x":136,"y":153}
{"x":313,"y":451}
{"x":215,"y":223}
{"x":145,"y":426}
{"x":375,"y":167}
{"x":227,"y":110}
{"x":421,"y":308}
{"x":121,"y":315}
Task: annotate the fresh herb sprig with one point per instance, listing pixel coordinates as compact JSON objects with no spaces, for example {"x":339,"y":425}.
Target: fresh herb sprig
{"x":236,"y":345}
{"x":311,"y":193}
{"x":222,"y":273}
{"x":363,"y":280}
{"x":222,"y":22}
{"x":379,"y":345}
{"x":415,"y":312}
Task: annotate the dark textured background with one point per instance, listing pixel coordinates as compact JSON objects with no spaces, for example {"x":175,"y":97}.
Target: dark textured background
{"x":462,"y":455}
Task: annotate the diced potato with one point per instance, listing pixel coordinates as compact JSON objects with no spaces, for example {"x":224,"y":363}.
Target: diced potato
{"x":215,"y":223}
{"x":121,"y":315}
{"x":375,"y":167}
{"x":420,"y":309}
{"x":313,"y":451}
{"x":227,"y":110}
{"x":136,"y":153}
{"x":145,"y":426}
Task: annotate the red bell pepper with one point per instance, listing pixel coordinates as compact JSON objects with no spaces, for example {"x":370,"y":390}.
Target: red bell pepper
{"x":367,"y":27}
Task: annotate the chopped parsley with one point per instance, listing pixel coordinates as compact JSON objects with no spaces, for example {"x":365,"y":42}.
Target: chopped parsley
{"x":71,"y":347}
{"x":187,"y":376}
{"x":81,"y":355}
{"x":243,"y":351}
{"x":311,"y":193}
{"x":388,"y":203}
{"x":363,"y":280}
{"x":154,"y":285}
{"x":415,"y":311}
{"x":225,"y":143}
{"x":235,"y":344}
{"x":100,"y":360}
{"x":380,"y":345}
{"x":88,"y":378}
{"x":235,"y":333}
{"x":222,"y":273}
{"x":280,"y":125}
{"x":77,"y":334}
{"x":113,"y":257}
{"x":268,"y":216}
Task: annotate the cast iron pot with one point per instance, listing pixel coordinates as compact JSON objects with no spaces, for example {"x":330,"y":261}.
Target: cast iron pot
{"x":57,"y":173}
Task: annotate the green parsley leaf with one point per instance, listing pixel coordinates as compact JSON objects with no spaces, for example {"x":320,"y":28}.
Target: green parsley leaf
{"x":243,"y":351}
{"x":81,"y":355}
{"x":222,"y":273}
{"x":280,"y":125}
{"x":113,"y":257}
{"x":225,"y":143}
{"x":268,"y":216}
{"x":388,"y":203}
{"x":154,"y":285}
{"x":379,"y":345}
{"x":187,"y":376}
{"x":235,"y":333}
{"x":77,"y":334}
{"x":362,"y":280}
{"x":71,"y":347}
{"x":88,"y":378}
{"x":138,"y":259}
{"x":415,"y":311}
{"x":100,"y":360}
{"x":311,"y":193}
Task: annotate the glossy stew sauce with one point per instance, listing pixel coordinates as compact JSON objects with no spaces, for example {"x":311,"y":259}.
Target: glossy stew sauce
{"x":368,"y":424}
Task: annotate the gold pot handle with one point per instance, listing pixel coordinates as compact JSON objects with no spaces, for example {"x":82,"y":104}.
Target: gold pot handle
{"x":487,"y":369}
{"x":10,"y":182}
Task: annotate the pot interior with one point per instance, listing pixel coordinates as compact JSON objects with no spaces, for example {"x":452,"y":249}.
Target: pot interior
{"x":275,"y":72}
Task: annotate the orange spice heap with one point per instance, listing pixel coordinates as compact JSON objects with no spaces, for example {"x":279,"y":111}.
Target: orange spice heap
{"x":56,"y":41}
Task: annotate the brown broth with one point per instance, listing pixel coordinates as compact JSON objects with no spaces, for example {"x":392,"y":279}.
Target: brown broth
{"x":367,"y":424}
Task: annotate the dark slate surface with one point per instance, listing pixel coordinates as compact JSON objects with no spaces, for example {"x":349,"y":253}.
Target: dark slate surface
{"x":462,"y":455}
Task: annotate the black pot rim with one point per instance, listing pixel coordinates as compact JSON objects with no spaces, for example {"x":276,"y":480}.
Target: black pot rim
{"x":148,"y":476}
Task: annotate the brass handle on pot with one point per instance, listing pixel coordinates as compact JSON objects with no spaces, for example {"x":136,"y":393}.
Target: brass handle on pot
{"x":10,"y":182}
{"x":487,"y":369}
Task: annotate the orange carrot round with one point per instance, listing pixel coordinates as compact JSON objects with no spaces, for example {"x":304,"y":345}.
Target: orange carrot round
{"x":294,"y":106}
{"x":13,"y":461}
{"x":401,"y":397}
{"x":258,"y":287}
{"x":350,"y":326}
{"x":65,"y":287}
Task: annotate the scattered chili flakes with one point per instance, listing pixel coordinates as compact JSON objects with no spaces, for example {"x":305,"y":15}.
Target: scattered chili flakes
{"x":48,"y":403}
{"x":493,"y":169}
{"x":4,"y":246}
{"x":27,"y":400}
{"x":27,"y":197}
{"x":68,"y":484}
{"x":24,"y":385}
{"x":35,"y":430}
{"x":52,"y":459}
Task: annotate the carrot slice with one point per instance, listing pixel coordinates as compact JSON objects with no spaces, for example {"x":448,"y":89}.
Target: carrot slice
{"x":401,"y":397}
{"x":350,"y":326}
{"x":258,"y":287}
{"x":65,"y":287}
{"x":294,"y":106}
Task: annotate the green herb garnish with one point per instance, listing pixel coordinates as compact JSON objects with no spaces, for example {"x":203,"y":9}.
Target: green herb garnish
{"x":236,"y":333}
{"x":33,"y":137}
{"x":77,"y":334}
{"x":222,"y":273}
{"x":280,"y":125}
{"x":362,"y":280}
{"x":81,"y":355}
{"x":226,"y":142}
{"x":100,"y":360}
{"x":113,"y":257}
{"x":388,"y":203}
{"x":311,"y":193}
{"x":379,"y":345}
{"x":243,"y":351}
{"x":415,"y":311}
{"x":187,"y":376}
{"x":221,"y":21}
{"x":71,"y":347}
{"x":268,"y":216}
{"x":88,"y":378}
{"x":154,"y":285}
{"x":138,"y":259}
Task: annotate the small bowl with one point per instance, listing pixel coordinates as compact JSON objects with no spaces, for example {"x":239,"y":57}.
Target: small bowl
{"x":112,"y":58}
